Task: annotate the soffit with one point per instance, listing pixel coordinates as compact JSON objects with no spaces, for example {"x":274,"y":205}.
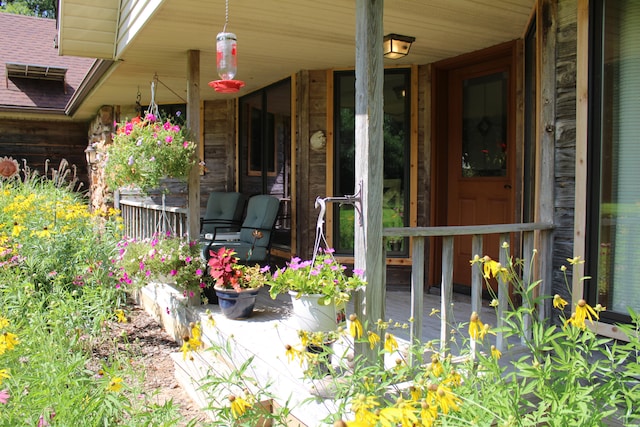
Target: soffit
{"x":277,"y":38}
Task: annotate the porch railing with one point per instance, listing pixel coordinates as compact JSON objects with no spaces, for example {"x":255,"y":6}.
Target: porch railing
{"x":142,"y":220}
{"x":530,"y":234}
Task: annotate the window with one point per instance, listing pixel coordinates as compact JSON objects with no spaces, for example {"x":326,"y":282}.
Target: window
{"x":614,"y":156}
{"x":397,"y":145}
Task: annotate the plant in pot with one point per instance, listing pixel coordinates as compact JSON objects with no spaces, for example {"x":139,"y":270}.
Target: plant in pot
{"x":236,"y":285}
{"x":166,"y":258}
{"x":319,"y":290}
{"x":144,"y":151}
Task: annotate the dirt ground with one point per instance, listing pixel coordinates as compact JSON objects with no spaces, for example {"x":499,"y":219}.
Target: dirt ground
{"x":150,"y":346}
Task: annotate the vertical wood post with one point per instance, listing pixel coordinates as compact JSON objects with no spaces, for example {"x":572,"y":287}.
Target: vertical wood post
{"x":369,"y":154}
{"x":193,"y":123}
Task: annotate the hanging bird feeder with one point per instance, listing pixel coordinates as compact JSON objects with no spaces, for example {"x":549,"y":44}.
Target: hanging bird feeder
{"x":226,"y":59}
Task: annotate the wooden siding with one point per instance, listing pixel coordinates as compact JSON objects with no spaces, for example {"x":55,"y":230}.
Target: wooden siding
{"x":37,"y":141}
{"x":219,"y":148}
{"x":565,"y":138}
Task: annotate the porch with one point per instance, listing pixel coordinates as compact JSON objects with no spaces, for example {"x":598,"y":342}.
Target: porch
{"x":265,"y":335}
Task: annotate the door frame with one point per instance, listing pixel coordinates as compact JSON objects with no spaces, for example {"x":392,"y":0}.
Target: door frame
{"x":440,"y":110}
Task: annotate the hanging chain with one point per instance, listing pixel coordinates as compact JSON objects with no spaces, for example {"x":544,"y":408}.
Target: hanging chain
{"x":226,"y":15}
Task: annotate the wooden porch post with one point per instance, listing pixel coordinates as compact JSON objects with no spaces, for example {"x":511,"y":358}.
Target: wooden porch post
{"x":193,"y":123}
{"x":369,"y":162}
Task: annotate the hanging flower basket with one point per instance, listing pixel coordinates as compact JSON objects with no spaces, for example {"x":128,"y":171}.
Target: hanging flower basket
{"x":144,"y":151}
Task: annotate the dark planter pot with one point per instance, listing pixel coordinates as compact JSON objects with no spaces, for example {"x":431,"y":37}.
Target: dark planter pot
{"x":237,"y":305}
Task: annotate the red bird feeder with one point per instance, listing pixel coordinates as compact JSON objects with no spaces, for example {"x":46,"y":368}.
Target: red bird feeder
{"x":226,"y":60}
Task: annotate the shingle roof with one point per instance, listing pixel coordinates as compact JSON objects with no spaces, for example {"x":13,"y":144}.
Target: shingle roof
{"x":30,"y":40}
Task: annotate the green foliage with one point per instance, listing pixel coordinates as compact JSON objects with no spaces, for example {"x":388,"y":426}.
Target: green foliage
{"x":320,"y":276}
{"x":56,"y":296}
{"x":166,"y":258}
{"x":42,"y":8}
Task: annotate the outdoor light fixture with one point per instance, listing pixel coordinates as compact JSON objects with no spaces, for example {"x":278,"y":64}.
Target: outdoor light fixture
{"x":396,"y":46}
{"x":226,"y":59}
{"x":92,"y":157}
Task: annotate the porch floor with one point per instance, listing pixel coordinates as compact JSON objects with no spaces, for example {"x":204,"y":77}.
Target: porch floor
{"x":264,"y":336}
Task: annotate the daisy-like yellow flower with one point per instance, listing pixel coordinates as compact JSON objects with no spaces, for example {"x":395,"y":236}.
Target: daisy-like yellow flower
{"x":558,"y":302}
{"x":573,"y":320}
{"x":115,"y":384}
{"x":120,"y":316}
{"x":585,"y":311}
{"x":495,"y":353}
{"x":454,"y":379}
{"x":436,"y":367}
{"x":415,"y":393}
{"x":491,"y":268}
{"x":9,"y":340}
{"x":238,"y":406}
{"x":446,"y":399}
{"x":196,"y":331}
{"x":4,"y":322}
{"x":599,"y":308}
{"x":364,"y":407}
{"x":305,"y":339}
{"x":355,"y":327}
{"x":292,"y":353}
{"x":373,"y":339}
{"x":4,"y":373}
{"x":476,"y":327}
{"x":575,"y":260}
{"x":494,"y":303}
{"x":428,"y":414}
{"x":390,"y":343}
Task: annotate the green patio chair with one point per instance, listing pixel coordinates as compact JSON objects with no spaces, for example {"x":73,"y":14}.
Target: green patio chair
{"x":252,"y":243}
{"x":223,"y":214}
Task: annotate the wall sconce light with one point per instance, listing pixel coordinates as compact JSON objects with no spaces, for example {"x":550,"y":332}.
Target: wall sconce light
{"x":92,"y":157}
{"x":395,"y":46}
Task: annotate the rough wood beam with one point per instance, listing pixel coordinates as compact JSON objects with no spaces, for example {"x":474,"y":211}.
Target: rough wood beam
{"x":193,"y":123}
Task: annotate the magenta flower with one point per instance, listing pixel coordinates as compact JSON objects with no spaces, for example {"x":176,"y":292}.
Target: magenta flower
{"x":4,"y":396}
{"x":168,"y":139}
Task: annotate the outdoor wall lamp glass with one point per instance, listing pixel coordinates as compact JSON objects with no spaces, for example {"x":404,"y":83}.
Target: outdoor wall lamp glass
{"x":92,"y":157}
{"x":395,"y":46}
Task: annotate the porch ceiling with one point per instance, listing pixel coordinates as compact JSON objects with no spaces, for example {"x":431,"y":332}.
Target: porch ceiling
{"x":276,"y":38}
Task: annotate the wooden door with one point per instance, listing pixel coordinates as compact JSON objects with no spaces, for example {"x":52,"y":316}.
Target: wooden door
{"x":480,"y":169}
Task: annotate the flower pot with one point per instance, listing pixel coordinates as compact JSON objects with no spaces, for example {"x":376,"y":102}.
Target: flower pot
{"x":313,"y":317}
{"x":236,"y":305}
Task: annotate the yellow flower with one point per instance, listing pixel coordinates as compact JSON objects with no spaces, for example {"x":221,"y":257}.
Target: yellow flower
{"x":373,"y":339}
{"x":196,"y":331}
{"x":238,"y":406}
{"x":573,"y":320}
{"x":495,"y":353}
{"x":120,"y":316}
{"x":292,"y":353}
{"x":436,"y":366}
{"x":575,"y":260}
{"x":115,"y":384}
{"x":4,"y":373}
{"x":4,"y":322}
{"x":363,"y":407}
{"x":585,"y":311}
{"x":9,"y":340}
{"x":355,"y":327}
{"x":476,"y":327}
{"x":434,"y":311}
{"x":558,"y":302}
{"x":491,"y":268}
{"x":390,"y":343}
{"x":446,"y":399}
{"x":428,"y":414}
{"x":494,"y":303}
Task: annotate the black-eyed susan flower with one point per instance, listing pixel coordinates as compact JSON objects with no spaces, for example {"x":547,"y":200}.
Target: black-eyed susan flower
{"x":238,"y":406}
{"x":355,"y":327}
{"x":390,"y":343}
{"x":292,"y":353}
{"x":585,"y":311}
{"x":373,"y":339}
{"x":8,"y":341}
{"x":4,"y":374}
{"x":558,"y":302}
{"x":436,"y":367}
{"x":115,"y":384}
{"x":428,"y":414}
{"x":4,"y":322}
{"x":120,"y":316}
{"x":476,"y":327}
{"x":495,"y":353}
{"x":446,"y":399}
{"x":575,"y":260}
